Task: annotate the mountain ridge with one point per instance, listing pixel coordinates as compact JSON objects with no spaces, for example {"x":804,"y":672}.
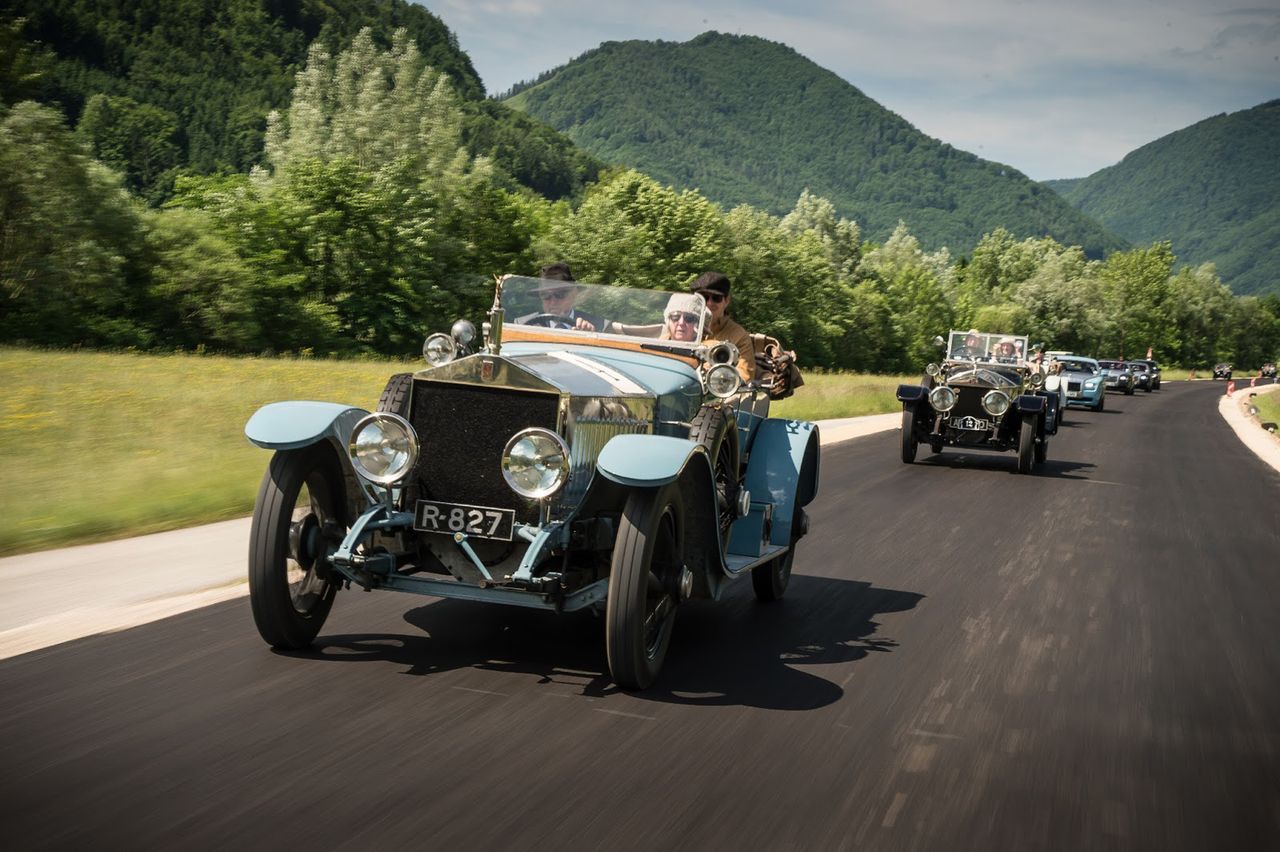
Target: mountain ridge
{"x":748,"y":120}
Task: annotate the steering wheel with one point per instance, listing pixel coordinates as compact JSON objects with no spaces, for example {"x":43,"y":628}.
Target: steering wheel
{"x":549,"y":321}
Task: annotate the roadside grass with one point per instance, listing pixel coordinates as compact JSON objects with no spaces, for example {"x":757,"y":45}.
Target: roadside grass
{"x":1268,"y":407}
{"x":97,"y":446}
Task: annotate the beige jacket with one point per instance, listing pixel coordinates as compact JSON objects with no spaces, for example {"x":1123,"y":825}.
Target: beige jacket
{"x":730,"y":331}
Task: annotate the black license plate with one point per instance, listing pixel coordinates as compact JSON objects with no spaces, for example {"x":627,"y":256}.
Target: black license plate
{"x":971,"y":424}
{"x":473,"y":521}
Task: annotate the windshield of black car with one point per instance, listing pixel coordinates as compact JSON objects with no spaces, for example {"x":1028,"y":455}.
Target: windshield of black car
{"x":1078,"y":366}
{"x":981,"y":346}
{"x":1111,"y":365}
{"x":616,"y":311}
{"x":1140,"y":368}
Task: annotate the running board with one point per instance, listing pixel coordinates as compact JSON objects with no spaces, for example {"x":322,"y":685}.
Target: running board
{"x":736,"y":565}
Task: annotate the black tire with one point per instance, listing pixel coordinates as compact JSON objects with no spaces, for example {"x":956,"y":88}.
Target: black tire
{"x":300,"y":505}
{"x":770,"y":580}
{"x":1128,"y":391}
{"x":1026,"y":445}
{"x":641,"y":607}
{"x":1101,"y":404}
{"x":1042,"y":449}
{"x":395,"y":396}
{"x":1148,"y":389}
{"x":716,"y":431}
{"x":935,"y":447}
{"x":909,"y":442}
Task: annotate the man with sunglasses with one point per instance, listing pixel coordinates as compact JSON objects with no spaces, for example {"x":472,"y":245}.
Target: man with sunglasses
{"x":714,"y":288}
{"x":558,"y":290}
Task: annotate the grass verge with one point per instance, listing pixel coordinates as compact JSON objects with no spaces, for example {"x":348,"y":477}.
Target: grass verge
{"x":99,"y":446}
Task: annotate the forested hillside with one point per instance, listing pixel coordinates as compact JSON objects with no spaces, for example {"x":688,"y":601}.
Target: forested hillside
{"x":159,"y":88}
{"x":746,"y":120}
{"x":1212,"y":188}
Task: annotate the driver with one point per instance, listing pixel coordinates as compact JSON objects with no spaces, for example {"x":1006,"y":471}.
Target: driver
{"x":972,"y":346}
{"x":558,"y":291}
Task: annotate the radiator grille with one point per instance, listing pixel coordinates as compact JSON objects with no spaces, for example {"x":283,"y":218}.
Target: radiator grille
{"x":1073,"y":386}
{"x":463,"y":429}
{"x":588,"y":439}
{"x":969,"y":404}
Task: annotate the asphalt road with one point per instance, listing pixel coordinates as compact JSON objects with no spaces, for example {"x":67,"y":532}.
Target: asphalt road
{"x":1088,"y":658}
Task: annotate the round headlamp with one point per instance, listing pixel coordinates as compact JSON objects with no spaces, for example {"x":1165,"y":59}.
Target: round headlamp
{"x":463,"y":331}
{"x":995,"y":402}
{"x":1036,"y":379}
{"x":942,"y":398}
{"x":535,"y":463}
{"x":383,"y":448}
{"x":933,"y":369}
{"x":723,"y":380}
{"x":439,"y":349}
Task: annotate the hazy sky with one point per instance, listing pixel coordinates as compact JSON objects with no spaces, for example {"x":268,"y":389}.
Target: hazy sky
{"x":1055,"y":88}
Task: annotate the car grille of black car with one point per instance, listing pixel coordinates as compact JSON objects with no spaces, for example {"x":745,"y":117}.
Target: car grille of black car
{"x":1073,"y":386}
{"x":463,"y":430}
{"x":969,"y":404}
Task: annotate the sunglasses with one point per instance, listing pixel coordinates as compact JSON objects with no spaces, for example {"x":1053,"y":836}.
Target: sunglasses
{"x":678,"y":316}
{"x":712,"y":297}
{"x":555,"y":295}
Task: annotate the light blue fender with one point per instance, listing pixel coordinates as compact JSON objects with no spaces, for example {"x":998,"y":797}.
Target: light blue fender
{"x":292,"y":425}
{"x":783,"y":470}
{"x":645,"y":461}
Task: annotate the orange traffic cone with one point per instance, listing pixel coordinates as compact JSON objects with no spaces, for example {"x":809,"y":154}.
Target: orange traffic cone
{"x":1231,"y":386}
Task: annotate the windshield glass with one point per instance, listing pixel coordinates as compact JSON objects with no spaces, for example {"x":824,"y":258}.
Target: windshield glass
{"x":1111,"y":365}
{"x":1138,"y":368}
{"x":980,"y":346}
{"x":1074,"y":366}
{"x":573,"y":306}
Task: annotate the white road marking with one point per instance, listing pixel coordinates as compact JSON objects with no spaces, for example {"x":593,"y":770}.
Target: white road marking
{"x":628,"y":715}
{"x":481,"y":691}
{"x":891,"y":815}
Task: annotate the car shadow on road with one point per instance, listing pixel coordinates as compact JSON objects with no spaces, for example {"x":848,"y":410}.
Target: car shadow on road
{"x":1006,"y":463}
{"x":730,"y":652}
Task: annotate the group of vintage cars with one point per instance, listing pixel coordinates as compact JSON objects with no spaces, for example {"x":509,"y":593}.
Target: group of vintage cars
{"x":587,"y":448}
{"x":998,"y":392}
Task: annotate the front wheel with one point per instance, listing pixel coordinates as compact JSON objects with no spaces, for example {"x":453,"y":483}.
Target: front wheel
{"x":909,"y":442}
{"x":644,"y":585}
{"x":1128,"y":391}
{"x":1101,"y":403}
{"x":1042,"y":450}
{"x":1026,"y":445}
{"x":300,"y":510}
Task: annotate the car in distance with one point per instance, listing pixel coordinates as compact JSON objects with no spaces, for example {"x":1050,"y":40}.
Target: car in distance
{"x":551,"y":467}
{"x":1222,"y":371}
{"x":1153,"y":372}
{"x":1268,"y":370}
{"x":1085,"y":383}
{"x":985,"y":395}
{"x":1117,"y":375}
{"x":1142,"y":377}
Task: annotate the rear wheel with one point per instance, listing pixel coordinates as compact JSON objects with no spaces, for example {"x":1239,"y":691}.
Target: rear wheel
{"x":643,"y":585}
{"x":909,"y":442}
{"x":1026,"y":445}
{"x":1042,"y":449}
{"x":296,"y":522}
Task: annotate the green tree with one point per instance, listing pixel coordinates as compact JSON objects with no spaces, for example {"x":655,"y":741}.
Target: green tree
{"x":135,"y":139}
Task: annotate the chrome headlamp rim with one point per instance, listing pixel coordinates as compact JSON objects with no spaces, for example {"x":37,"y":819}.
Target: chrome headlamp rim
{"x":1035,"y":379}
{"x":932,"y":369}
{"x":942,"y":398}
{"x":995,"y":402}
{"x":561,"y":468}
{"x":446,"y":349}
{"x":723,"y":381}
{"x":411,"y":448}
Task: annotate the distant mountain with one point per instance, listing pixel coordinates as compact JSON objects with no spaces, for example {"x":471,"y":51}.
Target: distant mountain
{"x":748,"y":120}
{"x":213,"y":70}
{"x":1212,"y":188}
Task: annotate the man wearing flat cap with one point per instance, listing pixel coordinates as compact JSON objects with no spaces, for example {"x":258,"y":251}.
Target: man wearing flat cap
{"x":714,"y":288}
{"x":558,"y":290}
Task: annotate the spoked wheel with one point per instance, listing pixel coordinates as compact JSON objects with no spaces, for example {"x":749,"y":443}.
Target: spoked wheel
{"x":644,"y":585}
{"x":1026,"y":445}
{"x":299,"y":513}
{"x":770,"y":579}
{"x":718,"y":432}
{"x":909,"y":442}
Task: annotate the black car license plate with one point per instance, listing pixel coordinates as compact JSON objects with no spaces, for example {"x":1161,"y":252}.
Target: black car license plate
{"x":473,"y":521}
{"x":971,"y":424}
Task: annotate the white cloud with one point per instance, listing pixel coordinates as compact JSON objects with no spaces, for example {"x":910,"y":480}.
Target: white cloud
{"x":1054,"y":89}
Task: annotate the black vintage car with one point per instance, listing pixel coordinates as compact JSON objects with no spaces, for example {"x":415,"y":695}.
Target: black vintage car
{"x":985,"y":395}
{"x":1268,"y":370}
{"x":1222,"y":371}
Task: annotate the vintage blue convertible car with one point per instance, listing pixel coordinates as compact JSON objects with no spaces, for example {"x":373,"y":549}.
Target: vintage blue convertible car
{"x":590,"y":453}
